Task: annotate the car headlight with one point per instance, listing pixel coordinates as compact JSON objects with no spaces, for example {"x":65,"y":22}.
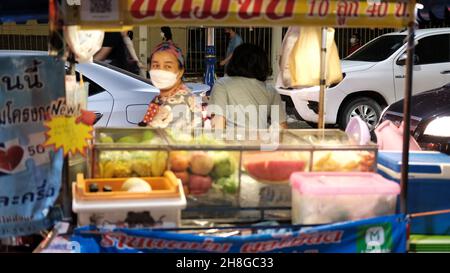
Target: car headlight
{"x":439,"y":127}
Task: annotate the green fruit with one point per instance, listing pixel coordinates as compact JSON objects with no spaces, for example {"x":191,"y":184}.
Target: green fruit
{"x":142,"y":167}
{"x":159,"y":163}
{"x":129,"y":139}
{"x":230,"y":188}
{"x":106,"y":139}
{"x":148,"y":135}
{"x":224,"y":165}
{"x":149,"y":141}
{"x":228,"y":185}
{"x":108,"y":170}
{"x":122,"y":169}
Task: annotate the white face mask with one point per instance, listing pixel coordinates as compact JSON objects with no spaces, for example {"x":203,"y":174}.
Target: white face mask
{"x":162,"y":79}
{"x":352,"y":40}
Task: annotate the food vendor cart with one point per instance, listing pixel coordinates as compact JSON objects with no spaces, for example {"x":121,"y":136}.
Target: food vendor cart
{"x":122,"y":14}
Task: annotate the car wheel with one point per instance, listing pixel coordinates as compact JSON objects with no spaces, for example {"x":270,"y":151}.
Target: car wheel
{"x":366,"y":108}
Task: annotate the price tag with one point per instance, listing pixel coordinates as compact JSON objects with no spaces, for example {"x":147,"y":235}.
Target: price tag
{"x":68,"y":133}
{"x":36,"y":149}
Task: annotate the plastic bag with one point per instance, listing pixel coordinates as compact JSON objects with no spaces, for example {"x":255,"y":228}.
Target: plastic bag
{"x":289,"y":41}
{"x":305,"y":58}
{"x":390,"y":137}
{"x":30,"y":173}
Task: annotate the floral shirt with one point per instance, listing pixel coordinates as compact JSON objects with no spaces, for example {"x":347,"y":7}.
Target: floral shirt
{"x":182,"y":110}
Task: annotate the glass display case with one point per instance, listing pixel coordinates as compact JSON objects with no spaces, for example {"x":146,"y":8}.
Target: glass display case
{"x":225,"y":174}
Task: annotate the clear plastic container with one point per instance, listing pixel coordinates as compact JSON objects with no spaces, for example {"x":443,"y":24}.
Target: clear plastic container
{"x":320,"y":198}
{"x":225,"y":172}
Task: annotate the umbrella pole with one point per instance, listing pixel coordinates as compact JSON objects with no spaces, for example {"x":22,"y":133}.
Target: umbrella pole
{"x":407,"y":109}
{"x":323,"y":54}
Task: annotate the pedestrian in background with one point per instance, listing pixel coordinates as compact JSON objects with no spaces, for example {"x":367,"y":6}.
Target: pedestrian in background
{"x":235,"y":41}
{"x":118,"y":50}
{"x":166,"y":34}
{"x":135,"y":65}
{"x":355,"y":43}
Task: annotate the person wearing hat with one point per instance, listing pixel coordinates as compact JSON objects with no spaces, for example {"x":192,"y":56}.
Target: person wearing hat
{"x":175,"y":106}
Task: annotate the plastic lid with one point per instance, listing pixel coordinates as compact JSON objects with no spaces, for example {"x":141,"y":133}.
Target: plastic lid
{"x":419,"y":162}
{"x":93,"y":187}
{"x":358,"y":130}
{"x":334,"y":183}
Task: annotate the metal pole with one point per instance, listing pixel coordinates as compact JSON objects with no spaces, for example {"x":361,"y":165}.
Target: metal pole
{"x":210,"y":58}
{"x":407,"y":108}
{"x":277,"y":38}
{"x":143,"y":52}
{"x":323,"y":54}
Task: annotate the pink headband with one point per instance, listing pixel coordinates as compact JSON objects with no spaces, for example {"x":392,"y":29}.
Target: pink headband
{"x":172,"y":48}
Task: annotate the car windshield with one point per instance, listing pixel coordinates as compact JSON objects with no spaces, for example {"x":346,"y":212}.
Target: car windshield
{"x":379,"y":49}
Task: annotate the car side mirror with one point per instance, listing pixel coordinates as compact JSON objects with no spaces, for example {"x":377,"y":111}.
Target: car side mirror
{"x":402,"y":60}
{"x":135,"y":112}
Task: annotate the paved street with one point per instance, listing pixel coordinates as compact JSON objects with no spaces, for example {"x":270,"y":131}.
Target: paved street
{"x":294,"y":123}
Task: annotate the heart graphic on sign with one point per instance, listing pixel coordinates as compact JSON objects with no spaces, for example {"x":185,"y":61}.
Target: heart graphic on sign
{"x":10,"y":158}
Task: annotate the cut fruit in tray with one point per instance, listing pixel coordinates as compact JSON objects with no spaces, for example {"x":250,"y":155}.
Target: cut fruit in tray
{"x":272,"y":166}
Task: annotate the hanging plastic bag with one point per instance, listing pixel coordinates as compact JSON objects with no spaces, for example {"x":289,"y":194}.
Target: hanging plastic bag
{"x":30,"y":173}
{"x":390,"y":137}
{"x":305,"y":58}
{"x":289,"y":41}
{"x":83,"y":43}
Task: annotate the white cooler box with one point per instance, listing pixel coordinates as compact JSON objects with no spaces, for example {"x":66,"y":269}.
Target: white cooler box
{"x":328,"y":197}
{"x":159,"y":208}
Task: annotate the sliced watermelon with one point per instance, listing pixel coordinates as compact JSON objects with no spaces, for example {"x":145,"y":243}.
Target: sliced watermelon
{"x":274,"y":170}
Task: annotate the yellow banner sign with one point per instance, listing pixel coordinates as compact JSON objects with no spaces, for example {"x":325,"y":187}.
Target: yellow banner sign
{"x":336,"y":13}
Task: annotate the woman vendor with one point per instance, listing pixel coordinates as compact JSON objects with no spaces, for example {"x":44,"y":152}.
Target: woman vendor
{"x":175,"y":107}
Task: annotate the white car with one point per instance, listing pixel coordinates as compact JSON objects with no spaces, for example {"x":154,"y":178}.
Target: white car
{"x":374,"y":77}
{"x":118,"y":97}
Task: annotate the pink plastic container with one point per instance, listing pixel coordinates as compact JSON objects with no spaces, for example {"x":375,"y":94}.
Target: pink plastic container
{"x":319,"y":198}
